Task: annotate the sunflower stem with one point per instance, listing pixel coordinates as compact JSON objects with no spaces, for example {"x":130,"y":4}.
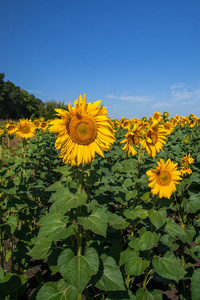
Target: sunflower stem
{"x":23,"y":160}
{"x":80,"y":229}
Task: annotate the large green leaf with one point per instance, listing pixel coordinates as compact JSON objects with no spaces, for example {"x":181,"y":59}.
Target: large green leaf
{"x":157,"y":217}
{"x":168,"y":267}
{"x":110,"y":277}
{"x":146,"y":241}
{"x":192,"y":204}
{"x":173,"y":229}
{"x":143,"y":294}
{"x":53,"y":227}
{"x":12,"y":222}
{"x":117,"y":222}
{"x":134,"y":264}
{"x":64,"y":200}
{"x":63,"y":260}
{"x":41,"y":248}
{"x":78,"y":270}
{"x":97,"y":222}
{"x":138,"y":212}
{"x":57,"y":291}
{"x":92,"y":258}
{"x":195,"y":285}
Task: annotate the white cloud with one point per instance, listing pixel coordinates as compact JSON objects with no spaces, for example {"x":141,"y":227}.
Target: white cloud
{"x":36,"y":92}
{"x":177,"y":86}
{"x":161,"y":104}
{"x":130,"y":98}
{"x":182,"y":94}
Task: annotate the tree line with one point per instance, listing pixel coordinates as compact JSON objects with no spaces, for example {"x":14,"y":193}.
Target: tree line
{"x":16,"y":103}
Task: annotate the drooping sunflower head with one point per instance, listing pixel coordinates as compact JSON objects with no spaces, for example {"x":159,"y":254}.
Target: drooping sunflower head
{"x":164,"y":178}
{"x":82,"y":131}
{"x":25,"y":128}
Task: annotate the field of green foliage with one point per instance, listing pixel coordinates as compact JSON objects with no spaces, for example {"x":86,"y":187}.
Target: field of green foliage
{"x":96,"y":229}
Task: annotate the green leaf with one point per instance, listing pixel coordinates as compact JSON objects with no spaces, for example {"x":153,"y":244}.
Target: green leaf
{"x":131,"y":194}
{"x":158,"y":218}
{"x":47,"y":291}
{"x":192,"y":204}
{"x":145,"y":241}
{"x":12,"y":222}
{"x":134,"y":264}
{"x":117,"y":222}
{"x":173,"y":229}
{"x":57,"y":291}
{"x":64,"y":200}
{"x":143,"y":294}
{"x":65,"y":170}
{"x":92,"y":258}
{"x":146,"y":196}
{"x":63,"y":260}
{"x":65,"y":291}
{"x":55,"y":186}
{"x":110,"y":277}
{"x":128,"y":182}
{"x":195,"y":285}
{"x":53,"y":227}
{"x":190,"y":233}
{"x":78,"y":270}
{"x":41,"y":248}
{"x":138,"y":212}
{"x":97,"y":222}
{"x":168,"y":267}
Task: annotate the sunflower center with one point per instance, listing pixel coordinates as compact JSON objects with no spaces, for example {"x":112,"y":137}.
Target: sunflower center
{"x":11,"y":127}
{"x":135,"y":140}
{"x":153,"y":136}
{"x":164,"y":178}
{"x":25,"y":129}
{"x":82,"y":129}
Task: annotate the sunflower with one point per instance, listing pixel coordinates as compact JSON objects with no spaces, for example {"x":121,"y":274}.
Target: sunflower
{"x":154,"y":139}
{"x":186,"y":160}
{"x":82,"y":131}
{"x":2,"y":131}
{"x":185,"y":170}
{"x":10,"y":127}
{"x":37,"y":123}
{"x":164,"y":178}
{"x":157,"y":116}
{"x":168,"y":127}
{"x":25,"y":128}
{"x":133,"y":137}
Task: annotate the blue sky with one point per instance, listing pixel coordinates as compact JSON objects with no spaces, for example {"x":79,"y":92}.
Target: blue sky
{"x":137,"y":56}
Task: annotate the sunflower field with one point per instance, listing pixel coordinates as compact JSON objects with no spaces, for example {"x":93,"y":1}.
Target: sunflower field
{"x":93,"y":208}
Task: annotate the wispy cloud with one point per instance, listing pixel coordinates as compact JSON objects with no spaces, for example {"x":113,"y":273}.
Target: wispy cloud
{"x":161,"y":104}
{"x":182,"y":93}
{"x":130,"y":98}
{"x":175,"y":86}
{"x":36,"y":92}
